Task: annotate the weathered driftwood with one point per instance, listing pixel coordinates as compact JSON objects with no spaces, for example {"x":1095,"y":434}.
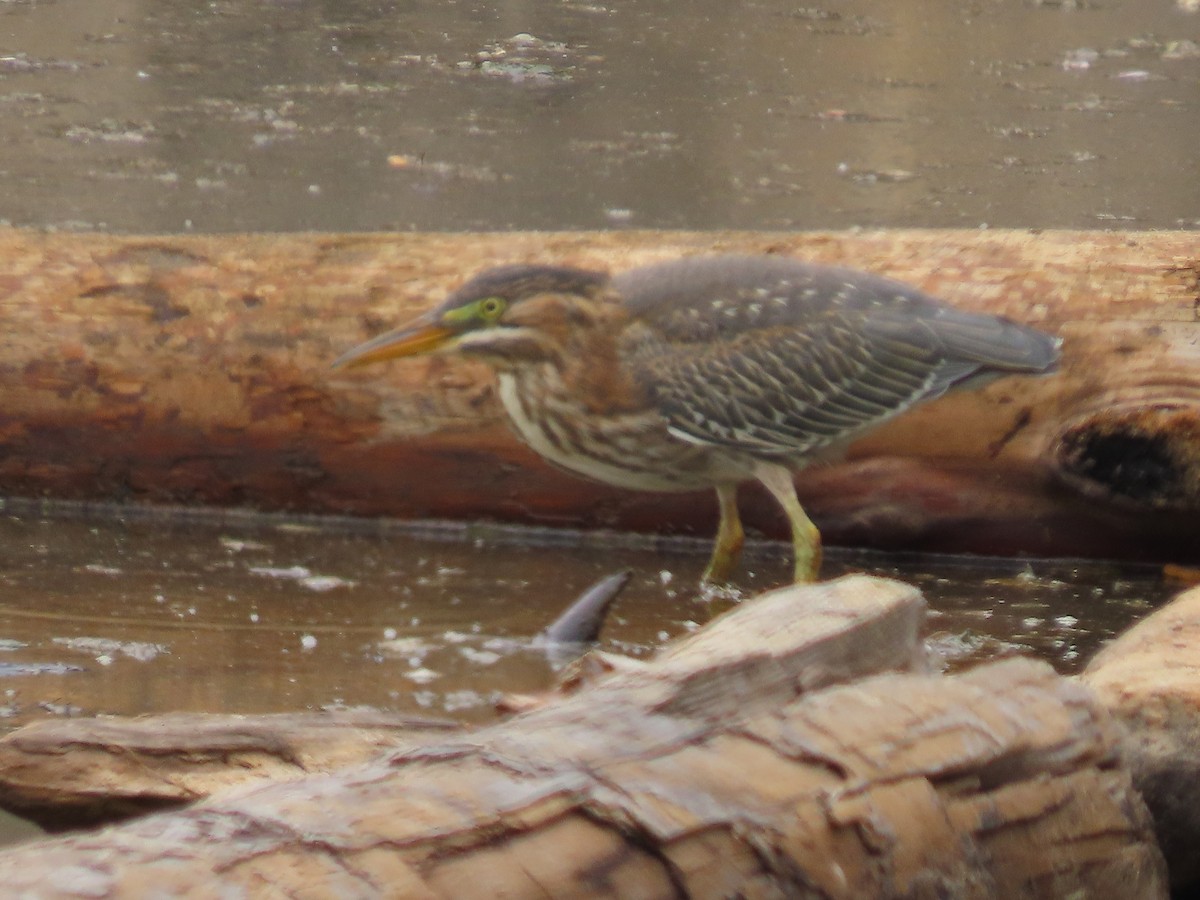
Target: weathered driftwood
{"x":74,"y":772}
{"x":1149,"y":678}
{"x":195,"y":369}
{"x":733,"y":764}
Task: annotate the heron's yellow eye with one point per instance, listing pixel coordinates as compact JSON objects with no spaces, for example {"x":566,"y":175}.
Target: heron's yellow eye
{"x":490,"y":308}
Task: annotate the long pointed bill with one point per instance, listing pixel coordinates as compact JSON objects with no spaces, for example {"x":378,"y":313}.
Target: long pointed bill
{"x":422,"y":335}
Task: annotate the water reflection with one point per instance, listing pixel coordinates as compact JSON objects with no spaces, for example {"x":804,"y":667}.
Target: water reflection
{"x":149,"y":614}
{"x":360,"y":115}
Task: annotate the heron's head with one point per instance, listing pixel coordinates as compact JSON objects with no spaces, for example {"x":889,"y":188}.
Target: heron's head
{"x":507,"y":316}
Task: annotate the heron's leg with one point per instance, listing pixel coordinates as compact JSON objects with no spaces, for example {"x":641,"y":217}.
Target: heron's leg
{"x":730,"y":537}
{"x":806,"y":540}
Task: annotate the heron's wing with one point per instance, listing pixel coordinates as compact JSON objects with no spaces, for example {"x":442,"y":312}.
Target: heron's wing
{"x":782,"y":357}
{"x":783,"y":391}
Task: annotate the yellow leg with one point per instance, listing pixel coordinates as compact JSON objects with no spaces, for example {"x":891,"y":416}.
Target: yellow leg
{"x":806,"y":540}
{"x":730,"y":537}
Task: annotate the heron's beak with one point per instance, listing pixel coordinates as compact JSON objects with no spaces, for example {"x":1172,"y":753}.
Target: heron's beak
{"x":422,"y":335}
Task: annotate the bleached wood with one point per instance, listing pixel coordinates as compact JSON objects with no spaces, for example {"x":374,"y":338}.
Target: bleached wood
{"x":1149,"y":678}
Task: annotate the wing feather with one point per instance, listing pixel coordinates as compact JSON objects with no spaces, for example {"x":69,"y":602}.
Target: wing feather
{"x":781,"y":357}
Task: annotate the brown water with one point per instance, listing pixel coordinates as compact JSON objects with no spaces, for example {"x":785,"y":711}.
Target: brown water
{"x":138,"y":612}
{"x":134,"y":614}
{"x":367,"y":115}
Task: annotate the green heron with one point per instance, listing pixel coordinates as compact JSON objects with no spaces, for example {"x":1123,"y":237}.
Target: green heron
{"x":710,"y":371}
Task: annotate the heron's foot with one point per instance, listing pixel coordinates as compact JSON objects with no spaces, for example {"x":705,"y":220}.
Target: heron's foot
{"x":716,"y":591}
{"x":806,"y":540}
{"x":720,"y":567}
{"x":808,"y":558}
{"x":727,"y":549}
{"x":714,"y":599}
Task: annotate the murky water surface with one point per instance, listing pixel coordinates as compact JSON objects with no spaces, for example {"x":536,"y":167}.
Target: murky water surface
{"x":464,"y":114}
{"x":150,"y":615}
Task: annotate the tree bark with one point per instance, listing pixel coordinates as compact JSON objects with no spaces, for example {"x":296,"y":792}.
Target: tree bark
{"x":1150,"y":679}
{"x":737,"y":762}
{"x":194,"y":369}
{"x":72,"y":773}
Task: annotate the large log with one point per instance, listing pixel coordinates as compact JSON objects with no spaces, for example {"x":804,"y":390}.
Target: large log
{"x":194,"y":369}
{"x":728,"y":766}
{"x":1150,"y":679}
